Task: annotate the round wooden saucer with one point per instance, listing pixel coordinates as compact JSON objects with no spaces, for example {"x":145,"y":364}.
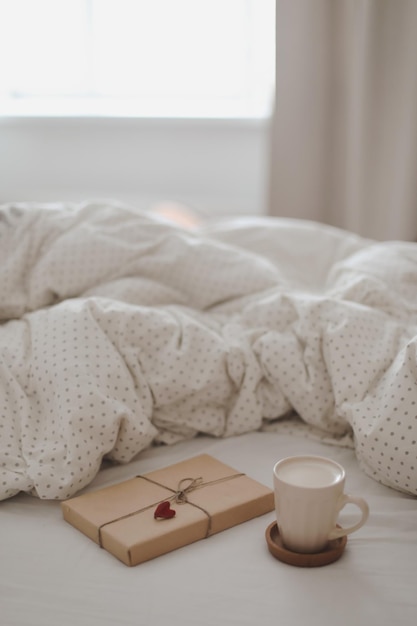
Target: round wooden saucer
{"x":330,"y":554}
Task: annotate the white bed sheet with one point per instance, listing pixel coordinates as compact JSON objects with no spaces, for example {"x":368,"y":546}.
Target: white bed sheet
{"x":52,"y":575}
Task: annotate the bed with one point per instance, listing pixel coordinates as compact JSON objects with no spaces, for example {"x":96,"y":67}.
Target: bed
{"x":129,"y":342}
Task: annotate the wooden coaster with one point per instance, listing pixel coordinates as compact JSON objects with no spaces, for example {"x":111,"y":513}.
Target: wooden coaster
{"x":330,"y":554}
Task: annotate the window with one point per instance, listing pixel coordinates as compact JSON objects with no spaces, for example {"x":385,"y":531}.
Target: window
{"x":160,"y":58}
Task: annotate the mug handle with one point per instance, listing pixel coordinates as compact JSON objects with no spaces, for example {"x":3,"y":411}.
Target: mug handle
{"x":362,"y":504}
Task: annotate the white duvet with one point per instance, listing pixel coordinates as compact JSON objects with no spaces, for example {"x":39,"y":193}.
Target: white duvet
{"x":119,"y":329}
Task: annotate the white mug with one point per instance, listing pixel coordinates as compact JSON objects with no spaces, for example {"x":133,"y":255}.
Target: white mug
{"x":309,"y":493}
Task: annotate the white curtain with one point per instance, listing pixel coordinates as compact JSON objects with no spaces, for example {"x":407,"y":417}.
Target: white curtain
{"x":344,"y":130}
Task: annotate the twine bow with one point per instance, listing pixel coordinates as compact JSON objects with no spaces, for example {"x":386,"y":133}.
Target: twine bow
{"x":180,"y":495}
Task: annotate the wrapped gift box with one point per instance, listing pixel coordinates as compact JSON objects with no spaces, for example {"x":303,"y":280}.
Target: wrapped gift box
{"x":130,"y":521}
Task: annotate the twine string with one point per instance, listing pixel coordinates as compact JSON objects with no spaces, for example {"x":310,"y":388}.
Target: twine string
{"x":180,"y":496}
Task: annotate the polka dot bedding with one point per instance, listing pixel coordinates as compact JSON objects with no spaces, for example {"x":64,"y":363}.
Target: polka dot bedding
{"x":119,"y":330}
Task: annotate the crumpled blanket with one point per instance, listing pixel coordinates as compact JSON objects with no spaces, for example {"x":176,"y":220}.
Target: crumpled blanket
{"x":119,"y":329}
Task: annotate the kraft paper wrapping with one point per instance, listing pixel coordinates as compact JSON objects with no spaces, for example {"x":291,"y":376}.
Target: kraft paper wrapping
{"x":121,"y":518}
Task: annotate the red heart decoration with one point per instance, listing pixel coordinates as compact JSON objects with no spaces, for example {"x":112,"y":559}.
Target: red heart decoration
{"x":164,"y":511}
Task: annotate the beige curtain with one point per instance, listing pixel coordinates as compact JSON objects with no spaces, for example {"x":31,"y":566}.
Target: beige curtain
{"x":344,"y":130}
